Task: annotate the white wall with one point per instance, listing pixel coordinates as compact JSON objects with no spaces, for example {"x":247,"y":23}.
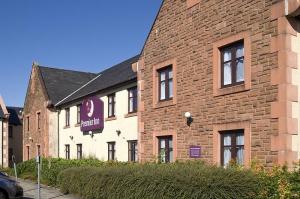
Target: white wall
{"x":97,"y":146}
{"x":53,"y":134}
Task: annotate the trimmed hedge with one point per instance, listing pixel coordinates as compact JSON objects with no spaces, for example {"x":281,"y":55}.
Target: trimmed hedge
{"x":179,"y":180}
{"x":51,"y":167}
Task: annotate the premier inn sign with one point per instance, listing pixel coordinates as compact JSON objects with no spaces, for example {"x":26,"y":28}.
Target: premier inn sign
{"x":92,"y":114}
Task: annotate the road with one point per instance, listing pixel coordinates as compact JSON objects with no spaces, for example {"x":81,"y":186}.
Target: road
{"x":30,"y":191}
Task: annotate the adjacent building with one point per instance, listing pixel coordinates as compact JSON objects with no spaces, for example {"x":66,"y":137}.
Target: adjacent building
{"x":11,"y":134}
{"x":99,"y":120}
{"x":72,"y":114}
{"x":219,"y":80}
{"x":47,"y":86}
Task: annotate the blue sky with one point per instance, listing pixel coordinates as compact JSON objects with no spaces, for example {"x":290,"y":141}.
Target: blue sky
{"x":85,"y":35}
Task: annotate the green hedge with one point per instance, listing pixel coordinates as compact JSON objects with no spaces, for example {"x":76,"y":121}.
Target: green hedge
{"x":52,"y":166}
{"x":179,"y":180}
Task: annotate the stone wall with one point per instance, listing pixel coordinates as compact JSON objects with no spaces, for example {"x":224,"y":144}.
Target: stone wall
{"x":187,"y":32}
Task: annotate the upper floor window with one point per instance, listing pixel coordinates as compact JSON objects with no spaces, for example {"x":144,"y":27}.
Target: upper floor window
{"x":232,"y":147}
{"x":78,"y":113}
{"x":27,"y":123}
{"x":10,"y":131}
{"x":67,"y":116}
{"x":232,"y":64}
{"x":39,"y":121}
{"x":165,"y":83}
{"x":111,"y":105}
{"x":132,"y":100}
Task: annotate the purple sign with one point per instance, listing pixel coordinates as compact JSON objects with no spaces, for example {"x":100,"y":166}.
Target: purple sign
{"x":92,"y":114}
{"x":195,"y":152}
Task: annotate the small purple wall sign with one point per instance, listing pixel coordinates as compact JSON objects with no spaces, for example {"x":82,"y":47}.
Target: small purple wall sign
{"x":195,"y":152}
{"x":92,"y":114}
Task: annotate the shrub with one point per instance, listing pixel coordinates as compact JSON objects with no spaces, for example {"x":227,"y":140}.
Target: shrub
{"x":51,"y":167}
{"x":179,"y":180}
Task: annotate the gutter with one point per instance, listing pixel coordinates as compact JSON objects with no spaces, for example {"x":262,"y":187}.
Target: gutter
{"x":78,"y":89}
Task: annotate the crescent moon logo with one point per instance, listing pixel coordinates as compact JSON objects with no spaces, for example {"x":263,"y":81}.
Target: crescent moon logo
{"x":91,"y":108}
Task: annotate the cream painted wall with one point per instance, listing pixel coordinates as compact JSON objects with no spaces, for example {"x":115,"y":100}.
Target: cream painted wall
{"x":53,"y":134}
{"x":97,"y":146}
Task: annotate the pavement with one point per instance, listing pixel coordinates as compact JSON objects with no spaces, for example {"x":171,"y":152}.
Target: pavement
{"x":30,"y":191}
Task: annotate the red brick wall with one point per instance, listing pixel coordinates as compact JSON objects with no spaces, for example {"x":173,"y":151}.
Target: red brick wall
{"x":35,"y":102}
{"x":188,"y":35}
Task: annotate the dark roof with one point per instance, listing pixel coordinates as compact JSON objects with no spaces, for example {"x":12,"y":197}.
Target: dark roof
{"x":111,"y":77}
{"x":60,"y":83}
{"x":15,"y":114}
{"x":1,"y":113}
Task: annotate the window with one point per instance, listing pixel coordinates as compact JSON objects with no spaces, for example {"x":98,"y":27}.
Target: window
{"x":132,"y":151}
{"x":78,"y":113}
{"x":27,"y":123}
{"x":10,"y":154}
{"x":67,"y":116}
{"x":232,"y":147}
{"x":79,"y":151}
{"x":67,"y":150}
{"x":39,"y":121}
{"x":111,"y":150}
{"x":165,"y":83}
{"x":38,"y":148}
{"x":132,"y":100}
{"x":10,"y":131}
{"x":111,"y":105}
{"x":165,"y":149}
{"x":232,"y":64}
{"x":28,"y":152}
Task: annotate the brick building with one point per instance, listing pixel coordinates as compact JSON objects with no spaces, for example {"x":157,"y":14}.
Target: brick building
{"x":234,"y":67}
{"x":11,"y":134}
{"x":47,"y":86}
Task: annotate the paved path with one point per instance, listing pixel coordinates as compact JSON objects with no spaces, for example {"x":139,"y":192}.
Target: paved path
{"x":30,"y":191}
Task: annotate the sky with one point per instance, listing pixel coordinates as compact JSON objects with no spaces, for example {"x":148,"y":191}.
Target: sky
{"x":84,"y":35}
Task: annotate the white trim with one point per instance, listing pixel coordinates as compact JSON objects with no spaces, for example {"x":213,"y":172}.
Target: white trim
{"x":78,"y":89}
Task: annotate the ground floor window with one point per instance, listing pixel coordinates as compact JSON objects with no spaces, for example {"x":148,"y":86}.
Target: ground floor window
{"x":10,"y":154}
{"x":132,"y":151}
{"x":79,"y":151}
{"x":67,"y":150}
{"x":28,"y":152}
{"x":111,"y":150}
{"x":38,"y":148}
{"x":232,"y":147}
{"x":165,"y":149}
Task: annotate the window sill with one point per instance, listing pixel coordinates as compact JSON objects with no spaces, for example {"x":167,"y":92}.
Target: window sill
{"x":110,"y":119}
{"x":66,"y":127}
{"x":231,"y":90}
{"x":130,"y":115}
{"x":165,"y":103}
